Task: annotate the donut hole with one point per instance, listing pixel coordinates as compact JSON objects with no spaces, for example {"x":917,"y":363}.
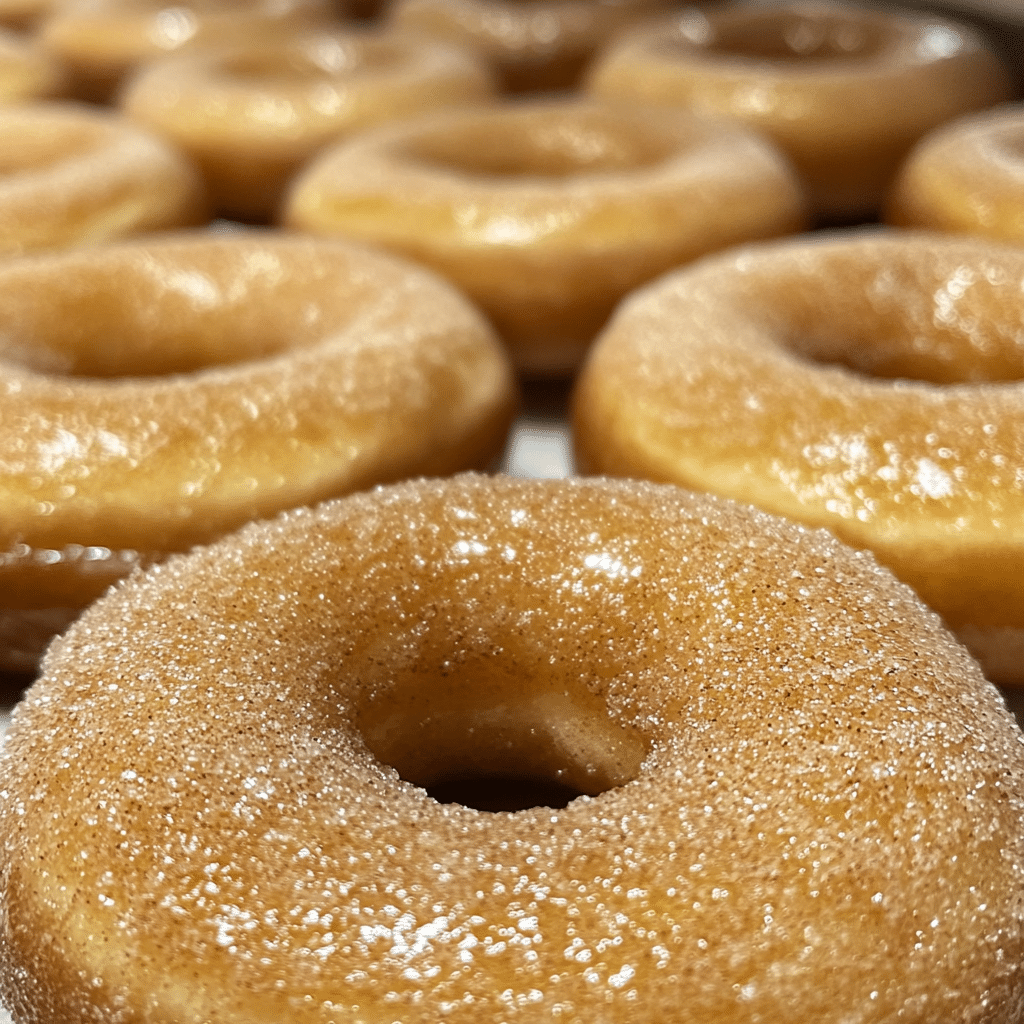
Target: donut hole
{"x":482,"y":736}
{"x":552,"y":147}
{"x":787,"y":37}
{"x":310,"y":62}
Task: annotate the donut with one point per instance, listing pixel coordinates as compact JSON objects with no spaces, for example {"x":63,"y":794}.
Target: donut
{"x":23,"y":14}
{"x":543,"y":44}
{"x":72,"y":175}
{"x":788,"y":793}
{"x":844,"y":91}
{"x":102,"y":41}
{"x":160,"y":393}
{"x":213,"y":102}
{"x":966,"y":177}
{"x":546,"y":212}
{"x":868,"y":382}
{"x":26,"y":72}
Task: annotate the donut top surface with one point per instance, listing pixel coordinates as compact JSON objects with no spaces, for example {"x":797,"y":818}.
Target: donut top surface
{"x":800,"y":798}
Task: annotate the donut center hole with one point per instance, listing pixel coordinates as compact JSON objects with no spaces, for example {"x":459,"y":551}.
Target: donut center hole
{"x":541,"y":149}
{"x":313,"y":61}
{"x":778,"y":36}
{"x":483,"y":737}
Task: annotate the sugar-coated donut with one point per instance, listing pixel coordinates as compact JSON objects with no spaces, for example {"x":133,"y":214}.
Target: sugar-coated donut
{"x":543,"y":44}
{"x":72,"y":175}
{"x":157,"y":395}
{"x":26,"y":71}
{"x":872,"y":384}
{"x":102,"y":41}
{"x":800,"y":799}
{"x":252,"y":113}
{"x":546,"y":212}
{"x":966,"y":177}
{"x":845,"y":91}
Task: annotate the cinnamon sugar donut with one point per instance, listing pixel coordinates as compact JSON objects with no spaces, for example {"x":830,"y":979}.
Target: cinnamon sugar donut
{"x":26,"y":72}
{"x":252,"y":113}
{"x":102,"y":41}
{"x":845,"y":91}
{"x":796,"y":797}
{"x":72,"y":175}
{"x":546,"y":212}
{"x":966,"y":177}
{"x":870,"y":383}
{"x":157,"y":395}
{"x":542,"y":44}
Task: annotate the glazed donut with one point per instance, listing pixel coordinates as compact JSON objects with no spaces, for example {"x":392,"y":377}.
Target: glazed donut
{"x":102,"y":41}
{"x":26,"y":72}
{"x":545,"y":213}
{"x":213,"y":102}
{"x":211,"y":804}
{"x":159,"y":395}
{"x":871,"y":383}
{"x":544,"y":44}
{"x":73,"y":175}
{"x":844,"y":91}
{"x":966,"y":177}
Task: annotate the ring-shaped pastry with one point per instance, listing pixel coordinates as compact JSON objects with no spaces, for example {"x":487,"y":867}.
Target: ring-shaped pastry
{"x":844,"y":91}
{"x":101,"y":42}
{"x":155,"y":395}
{"x":251,"y":113}
{"x":547,"y":212}
{"x":872,"y":384}
{"x":798,"y":799}
{"x":72,"y":175}
{"x":966,"y":177}
{"x":543,"y":44}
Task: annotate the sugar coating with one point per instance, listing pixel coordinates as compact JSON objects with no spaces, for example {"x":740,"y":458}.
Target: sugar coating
{"x":71,"y":175}
{"x":825,"y":822}
{"x":966,"y":176}
{"x":546,"y":212}
{"x":158,"y":394}
{"x":869,"y":382}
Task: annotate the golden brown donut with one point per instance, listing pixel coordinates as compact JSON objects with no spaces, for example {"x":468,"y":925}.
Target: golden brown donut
{"x":845,"y":91}
{"x":103,"y":41}
{"x":800,"y":799}
{"x":872,"y":383}
{"x":966,"y":177}
{"x":545,"y":213}
{"x":26,"y":72}
{"x":72,"y":175}
{"x":157,"y":395}
{"x":252,"y":113}
{"x":542,"y":44}
{"x":24,"y":14}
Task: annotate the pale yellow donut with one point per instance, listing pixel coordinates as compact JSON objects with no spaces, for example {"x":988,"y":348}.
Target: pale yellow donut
{"x":252,"y":113}
{"x":26,"y":72}
{"x":547,"y":212}
{"x":801,"y":801}
{"x":871,"y":383}
{"x":845,"y":91}
{"x":966,"y":177}
{"x":102,"y":41}
{"x":541,"y":44}
{"x":72,"y":175}
{"x":157,"y":395}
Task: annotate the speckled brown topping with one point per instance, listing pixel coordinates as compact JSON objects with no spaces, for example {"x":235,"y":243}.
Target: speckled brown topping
{"x":815,"y":808}
{"x":871,"y":382}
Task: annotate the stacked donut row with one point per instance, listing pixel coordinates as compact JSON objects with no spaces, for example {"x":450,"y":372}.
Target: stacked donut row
{"x":767,"y":782}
